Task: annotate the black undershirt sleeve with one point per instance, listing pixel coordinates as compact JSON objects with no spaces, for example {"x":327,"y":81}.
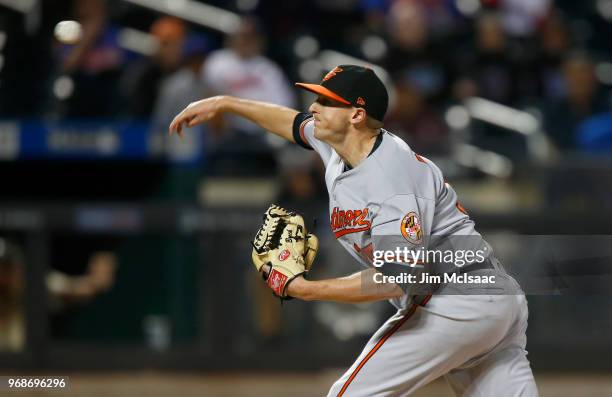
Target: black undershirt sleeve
{"x":298,"y":129}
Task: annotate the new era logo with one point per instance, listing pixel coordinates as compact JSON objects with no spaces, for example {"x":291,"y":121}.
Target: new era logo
{"x":360,"y":101}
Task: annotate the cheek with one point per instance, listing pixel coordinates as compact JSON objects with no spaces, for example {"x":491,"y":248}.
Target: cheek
{"x":331,"y":119}
{"x":340,"y":123}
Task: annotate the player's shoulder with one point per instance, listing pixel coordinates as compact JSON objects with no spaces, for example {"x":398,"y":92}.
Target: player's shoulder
{"x":399,"y":156}
{"x":408,"y":171}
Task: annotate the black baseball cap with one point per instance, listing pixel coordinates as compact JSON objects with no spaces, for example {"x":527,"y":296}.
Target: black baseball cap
{"x":353,"y":85}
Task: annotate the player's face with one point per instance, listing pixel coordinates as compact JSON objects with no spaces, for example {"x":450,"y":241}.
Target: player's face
{"x":331,"y":118}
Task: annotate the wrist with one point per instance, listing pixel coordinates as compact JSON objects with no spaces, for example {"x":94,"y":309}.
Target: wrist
{"x":224,"y":103}
{"x":221,"y":104}
{"x":299,"y":288}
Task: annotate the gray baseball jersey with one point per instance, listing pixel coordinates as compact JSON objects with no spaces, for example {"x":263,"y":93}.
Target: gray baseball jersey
{"x":396,"y":198}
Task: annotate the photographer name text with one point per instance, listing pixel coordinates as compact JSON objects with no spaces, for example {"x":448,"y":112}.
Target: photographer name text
{"x":426,"y":278}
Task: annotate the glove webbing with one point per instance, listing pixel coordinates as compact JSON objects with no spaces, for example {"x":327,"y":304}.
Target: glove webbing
{"x":272,"y":241}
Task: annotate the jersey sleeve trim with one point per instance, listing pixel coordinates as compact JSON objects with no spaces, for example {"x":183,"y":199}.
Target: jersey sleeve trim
{"x":299,"y":123}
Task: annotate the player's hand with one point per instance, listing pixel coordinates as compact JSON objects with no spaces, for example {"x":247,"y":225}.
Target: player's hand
{"x":196,"y":113}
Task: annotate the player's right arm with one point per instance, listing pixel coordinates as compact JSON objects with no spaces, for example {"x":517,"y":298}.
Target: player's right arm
{"x":356,"y":288}
{"x":274,"y":118}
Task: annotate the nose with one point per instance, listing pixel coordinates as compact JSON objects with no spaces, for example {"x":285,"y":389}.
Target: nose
{"x":313,"y":108}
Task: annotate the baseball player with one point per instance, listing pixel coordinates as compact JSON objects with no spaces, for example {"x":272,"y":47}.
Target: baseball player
{"x":383,"y":197}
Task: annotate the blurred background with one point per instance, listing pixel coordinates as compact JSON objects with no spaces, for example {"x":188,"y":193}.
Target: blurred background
{"x":125,"y":253}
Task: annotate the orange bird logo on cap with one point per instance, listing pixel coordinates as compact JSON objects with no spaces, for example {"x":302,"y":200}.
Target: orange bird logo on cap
{"x":332,"y":73}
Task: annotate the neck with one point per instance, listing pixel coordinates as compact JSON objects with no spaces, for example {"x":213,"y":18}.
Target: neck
{"x":356,"y":146}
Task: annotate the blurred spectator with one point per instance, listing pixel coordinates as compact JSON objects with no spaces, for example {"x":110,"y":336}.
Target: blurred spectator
{"x":183,"y":86}
{"x":12,"y":290}
{"x":412,"y":51}
{"x":63,"y":289}
{"x":177,"y":91}
{"x":584,"y":97}
{"x":417,"y":122}
{"x":88,"y":71}
{"x":141,"y":82}
{"x":375,"y":13}
{"x":553,"y":42}
{"x":242,"y":70}
{"x":440,"y":14}
{"x":99,"y":277}
{"x":493,"y":69}
{"x":521,"y":17}
{"x":443,"y":19}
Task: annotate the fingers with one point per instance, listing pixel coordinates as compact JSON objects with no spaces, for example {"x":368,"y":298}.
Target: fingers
{"x":176,"y":127}
{"x":196,"y":120}
{"x":195,"y":113}
{"x":184,"y":120}
{"x":177,"y":124}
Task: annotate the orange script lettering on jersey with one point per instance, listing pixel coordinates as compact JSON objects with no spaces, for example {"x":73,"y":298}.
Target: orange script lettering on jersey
{"x":349,"y":221}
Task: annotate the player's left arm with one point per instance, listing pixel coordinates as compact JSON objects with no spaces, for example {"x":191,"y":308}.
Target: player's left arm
{"x":356,"y":288}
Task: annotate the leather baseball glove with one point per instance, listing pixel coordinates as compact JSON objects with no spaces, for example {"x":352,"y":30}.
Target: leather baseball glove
{"x":284,"y":245}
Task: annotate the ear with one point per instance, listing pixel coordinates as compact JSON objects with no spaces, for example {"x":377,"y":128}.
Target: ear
{"x":359,"y":115}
